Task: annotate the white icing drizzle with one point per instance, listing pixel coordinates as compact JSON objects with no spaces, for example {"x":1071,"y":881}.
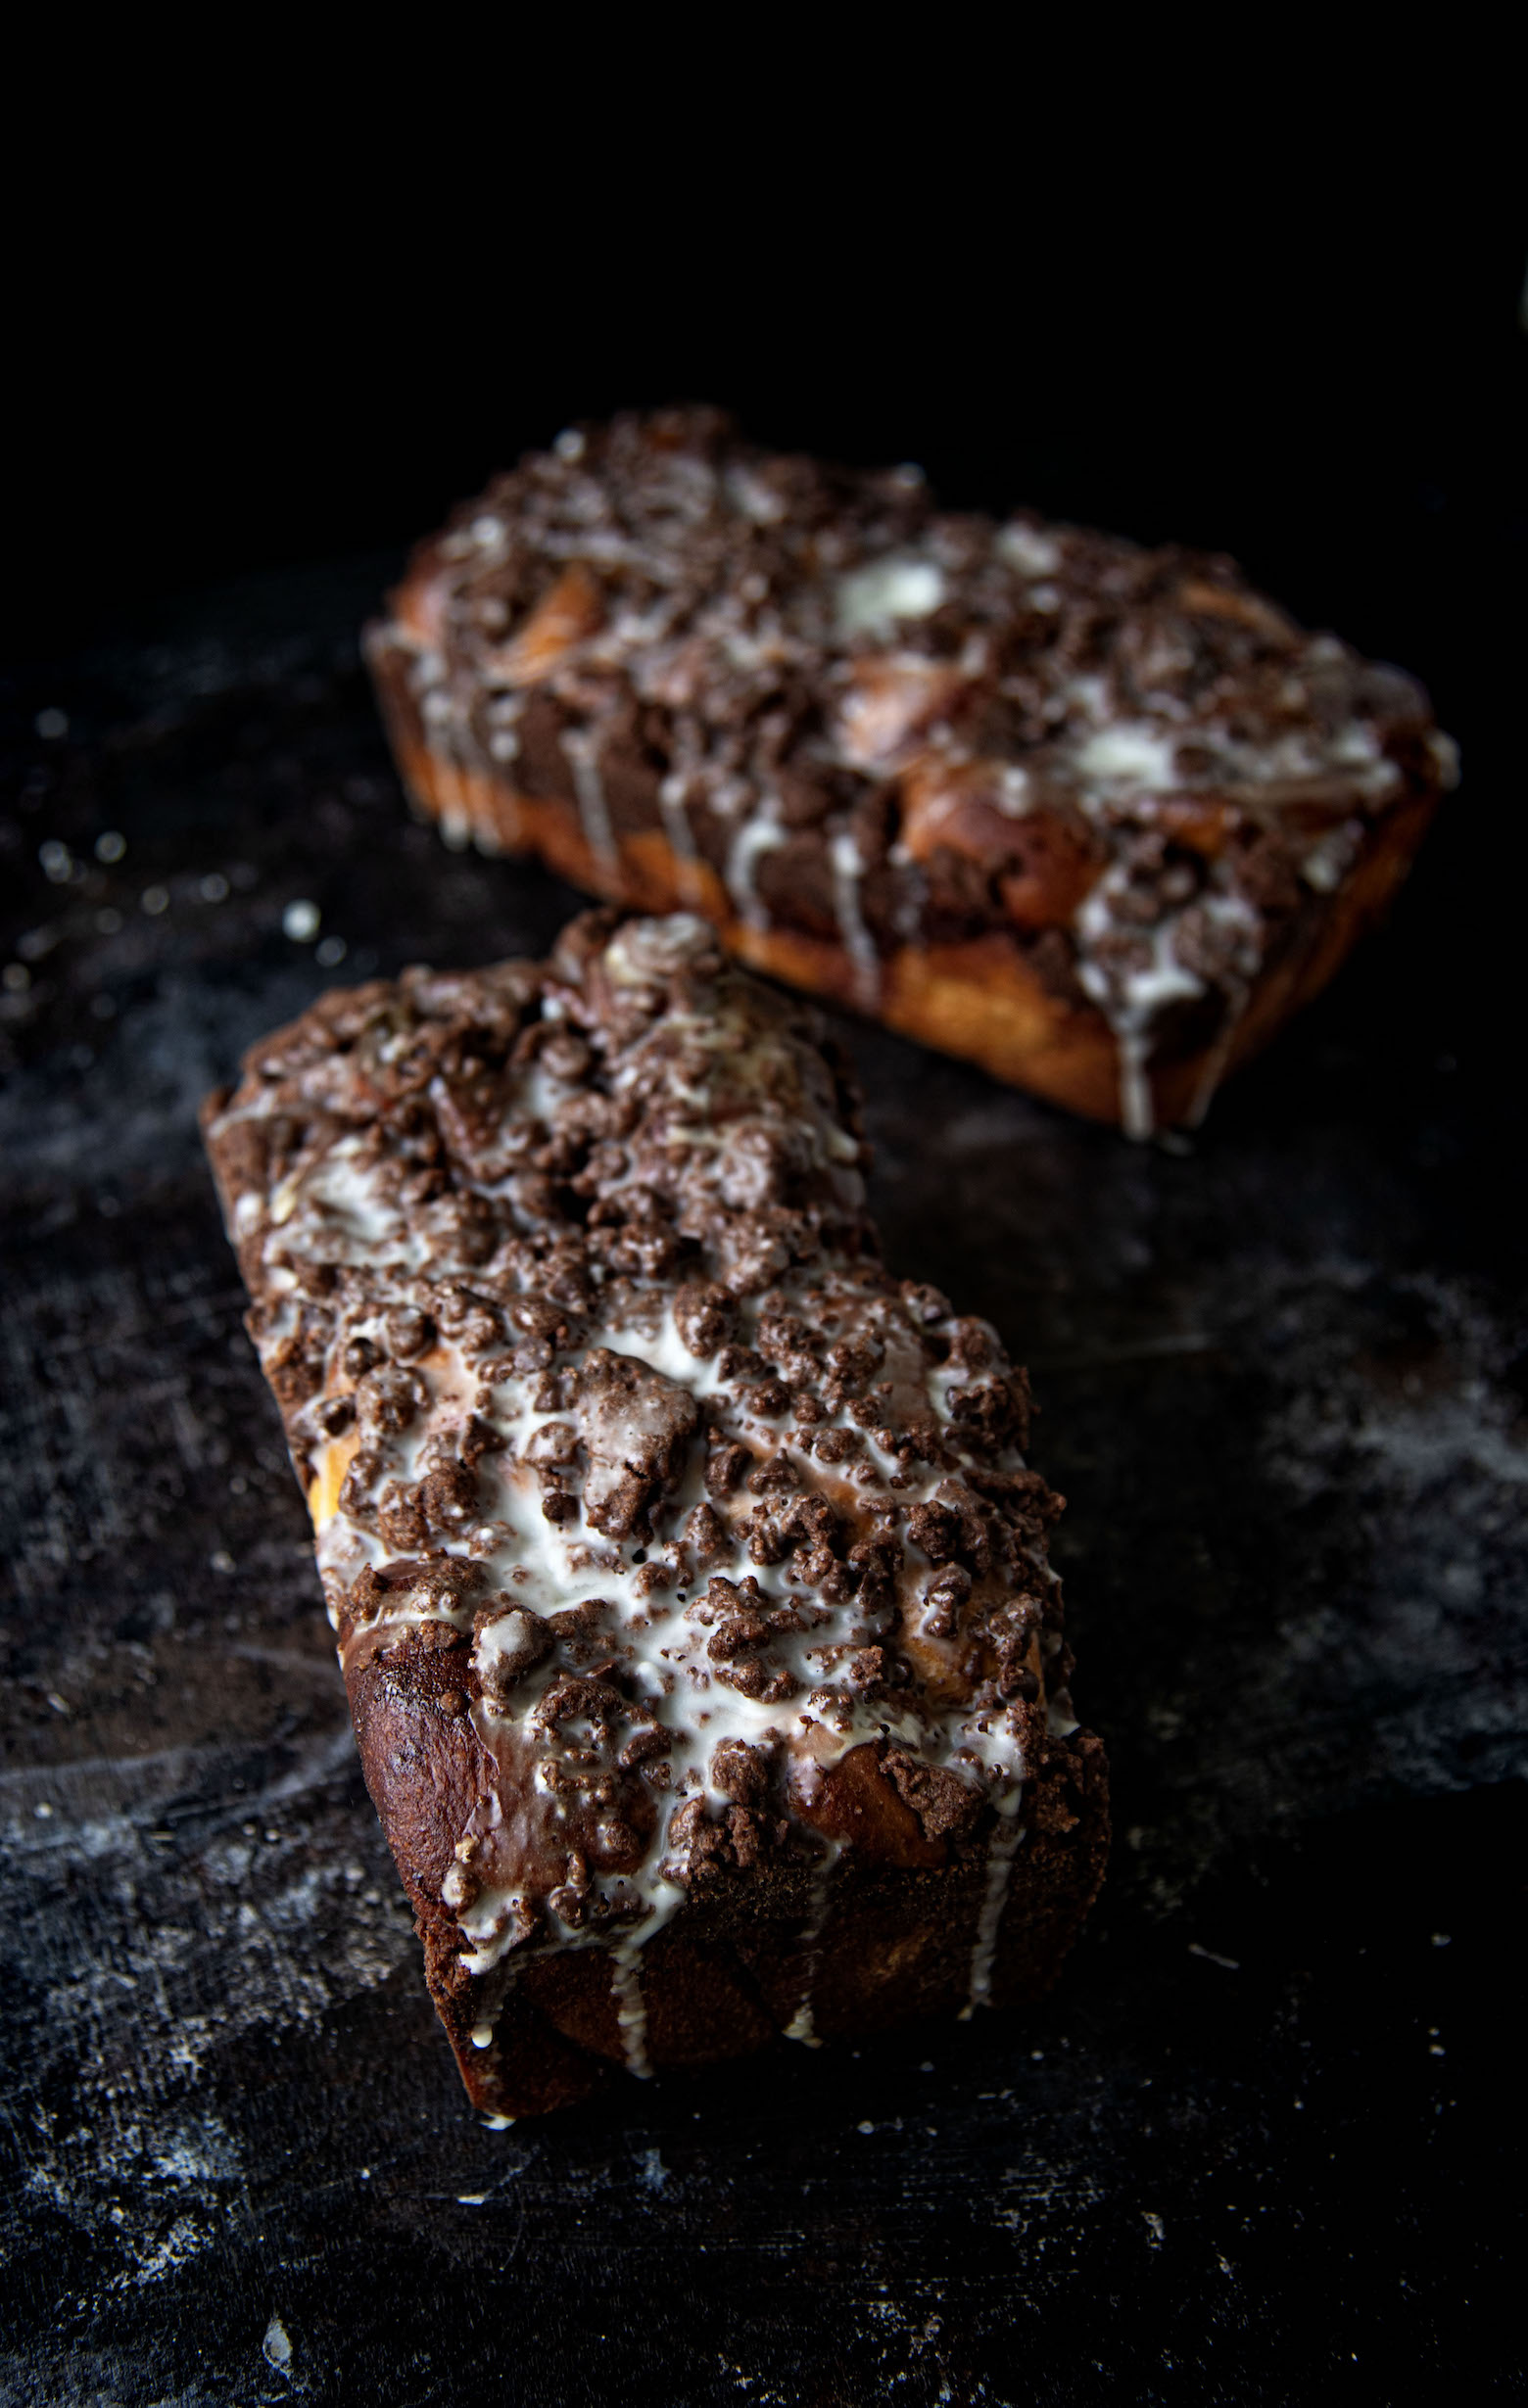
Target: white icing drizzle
{"x":757,"y":835}
{"x":630,"y":2007}
{"x":801,"y":2027}
{"x":455,"y":808}
{"x":582,"y":747}
{"x":1002,"y":1848}
{"x":442,"y":691}
{"x":848,"y":869}
{"x":673,"y":795}
{"x":1131,"y":1010}
{"x":1133,"y":1004}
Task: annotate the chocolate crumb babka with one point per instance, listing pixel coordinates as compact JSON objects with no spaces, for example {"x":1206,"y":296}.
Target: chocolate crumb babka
{"x":1095,"y":817}
{"x":691,"y":1586}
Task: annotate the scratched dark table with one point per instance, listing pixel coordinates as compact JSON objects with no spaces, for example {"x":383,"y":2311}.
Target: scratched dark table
{"x":1259,"y":2145}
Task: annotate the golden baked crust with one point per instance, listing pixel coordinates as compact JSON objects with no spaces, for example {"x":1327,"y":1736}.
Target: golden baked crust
{"x":1095,"y":818}
{"x":690,"y":1585}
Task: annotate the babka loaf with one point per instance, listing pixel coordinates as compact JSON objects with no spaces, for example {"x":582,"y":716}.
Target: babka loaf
{"x":689,"y":1583}
{"x":1097,"y":818}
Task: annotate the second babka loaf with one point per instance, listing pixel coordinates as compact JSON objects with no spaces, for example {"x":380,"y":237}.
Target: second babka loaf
{"x":1095,"y":817}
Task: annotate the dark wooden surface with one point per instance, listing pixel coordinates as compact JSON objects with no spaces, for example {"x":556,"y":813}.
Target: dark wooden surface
{"x":1261,"y":2144}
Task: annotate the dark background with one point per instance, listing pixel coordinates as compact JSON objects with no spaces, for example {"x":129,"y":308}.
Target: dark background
{"x":1291,"y":329}
{"x":1263,"y":2145}
{"x":1299,"y":342}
